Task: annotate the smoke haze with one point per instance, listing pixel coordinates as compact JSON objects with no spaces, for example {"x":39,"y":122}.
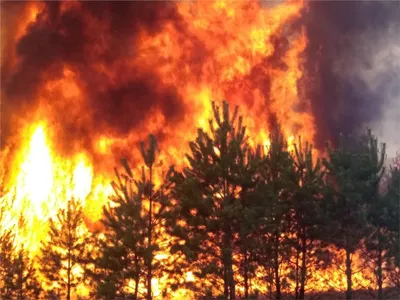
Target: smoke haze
{"x":351,"y":69}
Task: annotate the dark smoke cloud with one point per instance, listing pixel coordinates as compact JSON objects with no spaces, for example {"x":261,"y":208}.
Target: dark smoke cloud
{"x":127,"y":19}
{"x":146,"y":92}
{"x":60,"y":38}
{"x":10,"y":22}
{"x":55,"y":39}
{"x":342,"y":101}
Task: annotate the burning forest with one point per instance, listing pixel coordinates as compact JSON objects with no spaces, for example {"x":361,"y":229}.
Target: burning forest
{"x":199,"y":150}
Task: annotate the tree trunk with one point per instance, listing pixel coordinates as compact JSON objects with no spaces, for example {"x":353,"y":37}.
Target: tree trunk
{"x":270,"y":282}
{"x":297,"y":273}
{"x":69,"y":252}
{"x":245,"y":249}
{"x":137,"y":276}
{"x":303,"y":271}
{"x":149,"y":237}
{"x":229,"y":283}
{"x":349,"y":291}
{"x":227,"y":247}
{"x":69,"y":276}
{"x":246,"y":276}
{"x":379,"y":263}
{"x":276,"y":268}
{"x":226,"y":281}
{"x":231,"y":277}
{"x":20,"y":277}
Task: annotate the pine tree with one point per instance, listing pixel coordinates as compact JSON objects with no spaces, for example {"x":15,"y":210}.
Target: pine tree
{"x":26,"y":281}
{"x":306,"y":192}
{"x":122,"y":247}
{"x":131,"y":230}
{"x":158,"y":200}
{"x":377,"y":208}
{"x":246,"y":225}
{"x":344,"y":203}
{"x":392,"y":217}
{"x":7,"y":251}
{"x":17,"y":273}
{"x":147,"y":184}
{"x":275,"y":172}
{"x":64,"y":252}
{"x":208,"y":199}
{"x":18,"y":278}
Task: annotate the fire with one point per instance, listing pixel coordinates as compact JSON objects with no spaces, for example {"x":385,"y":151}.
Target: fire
{"x":232,"y":50}
{"x":42,"y":184}
{"x":29,"y":14}
{"x":32,"y":10}
{"x":35,"y":179}
{"x":83,"y":175}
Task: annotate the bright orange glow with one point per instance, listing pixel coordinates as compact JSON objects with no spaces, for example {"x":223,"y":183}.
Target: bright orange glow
{"x":82,"y":177}
{"x":42,"y":184}
{"x":36,"y":177}
{"x":241,"y":43}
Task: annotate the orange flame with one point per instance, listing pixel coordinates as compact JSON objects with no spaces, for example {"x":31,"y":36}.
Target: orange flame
{"x":237,"y":37}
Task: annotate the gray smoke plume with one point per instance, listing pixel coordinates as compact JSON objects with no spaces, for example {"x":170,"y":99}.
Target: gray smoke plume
{"x":353,"y":67}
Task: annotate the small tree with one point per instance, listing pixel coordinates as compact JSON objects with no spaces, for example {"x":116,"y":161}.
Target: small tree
{"x":246,"y":225}
{"x":26,"y":282}
{"x":122,"y":249}
{"x":205,"y":219}
{"x":17,"y":273}
{"x":7,"y":250}
{"x":377,"y":241}
{"x":65,"y":250}
{"x":147,"y":186}
{"x":349,"y":173}
{"x":273,"y":190}
{"x":132,"y":222}
{"x":307,"y":189}
{"x":392,"y":214}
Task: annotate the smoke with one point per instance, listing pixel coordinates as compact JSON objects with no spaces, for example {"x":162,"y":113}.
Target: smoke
{"x":84,"y":37}
{"x":352,"y":69}
{"x":381,"y":75}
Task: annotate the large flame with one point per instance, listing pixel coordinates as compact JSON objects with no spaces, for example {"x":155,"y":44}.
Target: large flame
{"x":42,"y":184}
{"x":231,"y":50}
{"x":31,"y":183}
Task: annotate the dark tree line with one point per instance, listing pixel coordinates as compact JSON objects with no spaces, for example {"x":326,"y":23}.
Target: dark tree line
{"x":18,"y":275}
{"x":232,"y":213}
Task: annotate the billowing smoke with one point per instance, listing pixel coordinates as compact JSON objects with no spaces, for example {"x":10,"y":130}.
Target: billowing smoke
{"x":95,"y":34}
{"x":353,"y":67}
{"x":350,"y":72}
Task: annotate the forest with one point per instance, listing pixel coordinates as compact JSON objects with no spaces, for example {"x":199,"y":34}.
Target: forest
{"x":238,"y":221}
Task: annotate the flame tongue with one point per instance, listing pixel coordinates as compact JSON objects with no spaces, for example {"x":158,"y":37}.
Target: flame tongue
{"x":36,"y":176}
{"x":43,"y":184}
